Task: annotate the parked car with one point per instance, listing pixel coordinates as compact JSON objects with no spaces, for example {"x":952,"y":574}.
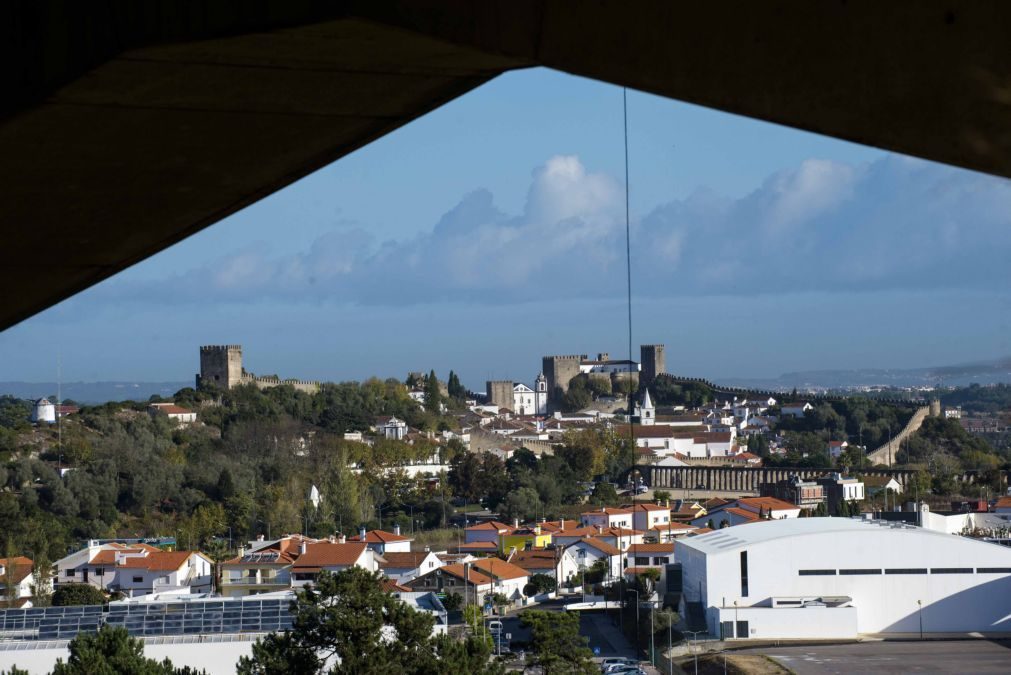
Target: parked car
{"x":617,"y":661}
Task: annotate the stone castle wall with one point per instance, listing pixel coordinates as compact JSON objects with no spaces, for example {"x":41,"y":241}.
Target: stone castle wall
{"x":221,"y":366}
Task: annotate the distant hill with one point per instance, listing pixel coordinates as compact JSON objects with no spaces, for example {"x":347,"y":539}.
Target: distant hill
{"x":989,"y":372}
{"x":94,"y":392}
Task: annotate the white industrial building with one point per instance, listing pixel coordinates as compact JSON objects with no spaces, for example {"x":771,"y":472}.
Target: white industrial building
{"x":816,"y":578}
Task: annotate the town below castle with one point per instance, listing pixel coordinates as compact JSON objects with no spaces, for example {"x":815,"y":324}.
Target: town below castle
{"x":606,"y":487}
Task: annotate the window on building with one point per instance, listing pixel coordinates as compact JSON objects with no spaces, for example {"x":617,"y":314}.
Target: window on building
{"x":642,"y":561}
{"x":744,"y":574}
{"x":138,"y":580}
{"x":71,"y":573}
{"x":99,"y":571}
{"x":951,"y":570}
{"x":994,"y":570}
{"x":906,"y":570}
{"x":816,"y":573}
{"x":854,"y":572}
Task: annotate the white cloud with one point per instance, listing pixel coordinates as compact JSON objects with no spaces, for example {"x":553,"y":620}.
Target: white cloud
{"x":891,"y":224}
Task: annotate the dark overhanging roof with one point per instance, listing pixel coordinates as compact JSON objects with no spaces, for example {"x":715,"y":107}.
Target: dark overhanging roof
{"x":127,"y":126}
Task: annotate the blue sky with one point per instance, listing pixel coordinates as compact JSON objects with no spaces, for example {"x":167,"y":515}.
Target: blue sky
{"x":490,"y":232}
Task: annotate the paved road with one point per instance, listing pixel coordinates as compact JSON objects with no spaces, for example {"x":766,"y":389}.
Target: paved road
{"x":963,"y":656}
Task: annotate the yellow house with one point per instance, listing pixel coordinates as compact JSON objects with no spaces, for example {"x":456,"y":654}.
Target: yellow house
{"x":523,"y":539}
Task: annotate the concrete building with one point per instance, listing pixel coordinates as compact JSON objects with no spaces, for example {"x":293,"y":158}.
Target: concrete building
{"x":382,"y":541}
{"x":176,"y":413}
{"x":839,"y":489}
{"x":583,"y":553}
{"x":815,"y":578}
{"x":518,"y":397}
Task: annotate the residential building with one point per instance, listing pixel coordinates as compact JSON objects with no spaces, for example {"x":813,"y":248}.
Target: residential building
{"x":728,"y":516}
{"x":843,"y":578}
{"x":647,"y":516}
{"x":382,"y":541}
{"x":135,"y":569}
{"x":264,"y":568}
{"x":839,"y":489}
{"x":582,"y":554}
{"x":332,"y":557}
{"x":523,"y":539}
{"x":537,"y":561}
{"x":807,"y":494}
{"x":795,"y":409}
{"x":475,"y":580}
{"x":487,"y":532}
{"x":607,"y":517}
{"x":405,"y":566}
{"x":769,"y":507}
{"x":874,"y":485}
{"x":651,"y":555}
{"x":176,"y":413}
{"x":17,"y":572}
{"x":668,"y":532}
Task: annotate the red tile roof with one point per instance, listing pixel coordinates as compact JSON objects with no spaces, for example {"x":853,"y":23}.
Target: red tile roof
{"x":18,"y":567}
{"x":742,"y":513}
{"x":599,"y":544}
{"x":538,"y":559}
{"x":403,"y":560}
{"x":609,"y":511}
{"x":767,"y":503}
{"x":492,"y":525}
{"x":479,"y":547}
{"x":161,"y":561}
{"x":499,"y":569}
{"x":325,"y":554}
{"x":457,"y":570}
{"x":380,"y":537}
{"x":651,"y":548}
{"x":391,"y":586}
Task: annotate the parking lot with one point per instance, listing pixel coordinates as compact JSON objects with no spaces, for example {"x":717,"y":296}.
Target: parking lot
{"x":956,"y":656}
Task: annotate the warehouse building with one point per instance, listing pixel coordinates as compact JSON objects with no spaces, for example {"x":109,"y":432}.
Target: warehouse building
{"x":816,"y":578}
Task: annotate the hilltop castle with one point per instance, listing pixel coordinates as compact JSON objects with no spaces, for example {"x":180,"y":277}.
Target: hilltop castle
{"x":221,"y":366}
{"x":559,"y":370}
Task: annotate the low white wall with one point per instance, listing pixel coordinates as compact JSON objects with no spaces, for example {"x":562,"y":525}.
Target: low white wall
{"x":797,"y":623}
{"x":217,"y":658}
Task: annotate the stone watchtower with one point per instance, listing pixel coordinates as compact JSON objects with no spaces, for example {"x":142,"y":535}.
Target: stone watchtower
{"x":220,"y":366}
{"x":558,"y":370}
{"x":500,"y":393}
{"x":653,"y":362}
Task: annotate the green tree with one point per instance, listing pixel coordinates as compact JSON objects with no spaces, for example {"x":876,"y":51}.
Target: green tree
{"x":346,"y":623}
{"x":433,"y":395}
{"x":603,"y":494}
{"x":557,"y":645}
{"x":523,"y":503}
{"x":455,"y":389}
{"x":112,"y":651}
{"x":77,"y":594}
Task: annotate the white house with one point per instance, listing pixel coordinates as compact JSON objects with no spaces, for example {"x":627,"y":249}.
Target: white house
{"x":18,"y":571}
{"x":835,"y":448}
{"x":647,"y":516}
{"x":795,"y":409}
{"x":584,"y":553}
{"x":650,"y":555}
{"x":162,"y":571}
{"x":331,"y":557}
{"x":176,"y":413}
{"x":769,"y":506}
{"x":841,"y":578}
{"x":135,"y":569}
{"x":607,"y":517}
{"x":382,"y":541}
{"x":405,"y":566}
{"x":728,"y":516}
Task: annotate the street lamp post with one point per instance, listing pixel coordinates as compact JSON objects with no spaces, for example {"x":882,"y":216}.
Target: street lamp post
{"x":670,"y":657}
{"x":919,"y":604}
{"x":636,"y":618}
{"x":695,"y":635}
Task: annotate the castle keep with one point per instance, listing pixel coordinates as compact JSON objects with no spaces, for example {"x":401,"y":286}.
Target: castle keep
{"x":559,"y":370}
{"x":221,"y":366}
